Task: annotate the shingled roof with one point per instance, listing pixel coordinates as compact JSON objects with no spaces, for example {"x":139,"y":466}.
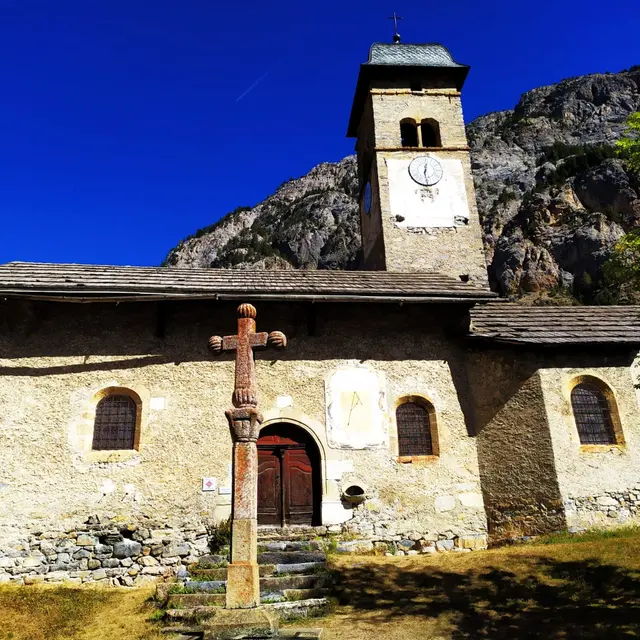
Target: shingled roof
{"x":89,"y":283}
{"x":518,"y":324}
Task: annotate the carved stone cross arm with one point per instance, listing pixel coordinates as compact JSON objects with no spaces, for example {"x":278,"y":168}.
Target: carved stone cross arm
{"x":245,"y":419}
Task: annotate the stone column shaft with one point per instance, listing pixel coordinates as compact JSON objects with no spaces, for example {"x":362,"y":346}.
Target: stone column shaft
{"x":243,"y":579}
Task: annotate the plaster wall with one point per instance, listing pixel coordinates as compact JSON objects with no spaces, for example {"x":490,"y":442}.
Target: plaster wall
{"x":536,"y":476}
{"x":598,"y":483}
{"x":49,"y":380}
{"x":517,"y":465}
{"x":454,"y":251}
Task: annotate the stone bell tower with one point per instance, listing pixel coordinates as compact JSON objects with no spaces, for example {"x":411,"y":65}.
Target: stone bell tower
{"x":417,"y":201}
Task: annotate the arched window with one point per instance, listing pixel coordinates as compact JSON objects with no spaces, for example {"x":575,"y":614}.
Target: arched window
{"x":415,"y":430}
{"x":408,"y":133}
{"x":593,"y":413}
{"x":116,"y":423}
{"x":430,"y":130}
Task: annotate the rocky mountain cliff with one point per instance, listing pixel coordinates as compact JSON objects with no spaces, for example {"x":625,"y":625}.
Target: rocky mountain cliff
{"x":552,"y":195}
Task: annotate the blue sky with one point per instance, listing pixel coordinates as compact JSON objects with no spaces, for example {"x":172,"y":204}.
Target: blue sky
{"x":126,"y":125}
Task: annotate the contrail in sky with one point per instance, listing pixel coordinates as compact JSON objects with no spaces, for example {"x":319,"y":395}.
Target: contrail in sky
{"x":253,"y":86}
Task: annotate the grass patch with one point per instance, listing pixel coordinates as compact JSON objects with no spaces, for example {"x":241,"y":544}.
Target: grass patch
{"x":593,"y":535}
{"x":68,"y":613}
{"x":583,"y":586}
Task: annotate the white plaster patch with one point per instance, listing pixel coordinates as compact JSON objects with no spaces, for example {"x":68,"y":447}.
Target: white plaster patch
{"x":157,"y":404}
{"x":108,"y":486}
{"x":465,"y":486}
{"x":445,"y":503}
{"x":473,"y":500}
{"x":283,"y":402}
{"x":441,"y":205}
{"x":337,"y":468}
{"x":356,"y":406}
{"x":333,"y":512}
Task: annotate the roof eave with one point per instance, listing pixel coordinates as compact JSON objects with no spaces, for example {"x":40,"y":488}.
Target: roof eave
{"x":88,"y":296}
{"x":506,"y":342}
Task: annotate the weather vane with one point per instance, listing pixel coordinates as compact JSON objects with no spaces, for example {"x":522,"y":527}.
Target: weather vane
{"x":395,"y":18}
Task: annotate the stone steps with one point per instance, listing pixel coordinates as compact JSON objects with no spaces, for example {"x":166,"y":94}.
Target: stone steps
{"x":296,"y":532}
{"x":290,"y":545}
{"x":280,"y":583}
{"x":294,"y":595}
{"x":292,"y":582}
{"x":196,"y":633}
{"x":291,"y":557}
{"x":185,"y":600}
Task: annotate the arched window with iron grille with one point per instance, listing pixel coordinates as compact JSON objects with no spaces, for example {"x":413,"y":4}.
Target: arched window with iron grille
{"x":593,"y":414}
{"x":414,"y":423}
{"x":116,"y":423}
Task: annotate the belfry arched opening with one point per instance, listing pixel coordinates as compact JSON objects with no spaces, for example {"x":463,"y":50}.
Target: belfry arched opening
{"x":289,"y":477}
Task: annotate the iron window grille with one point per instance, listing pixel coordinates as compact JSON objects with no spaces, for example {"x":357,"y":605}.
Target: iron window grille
{"x":414,"y":430}
{"x":592,"y":414}
{"x":115,"y":424}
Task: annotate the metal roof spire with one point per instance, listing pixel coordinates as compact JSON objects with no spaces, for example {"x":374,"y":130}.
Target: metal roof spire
{"x":396,"y":35}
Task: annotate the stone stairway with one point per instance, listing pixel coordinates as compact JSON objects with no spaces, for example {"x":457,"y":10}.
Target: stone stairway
{"x":293,"y":581}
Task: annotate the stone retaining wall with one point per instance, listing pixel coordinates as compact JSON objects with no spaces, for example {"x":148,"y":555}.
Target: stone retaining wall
{"x":120,"y":555}
{"x":605,"y":509}
{"x":125,"y":554}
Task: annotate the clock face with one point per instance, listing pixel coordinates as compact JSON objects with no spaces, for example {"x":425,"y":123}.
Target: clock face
{"x":367,"y":198}
{"x":426,"y":171}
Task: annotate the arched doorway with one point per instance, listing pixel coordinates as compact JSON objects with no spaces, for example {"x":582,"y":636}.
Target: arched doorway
{"x":289,"y":479}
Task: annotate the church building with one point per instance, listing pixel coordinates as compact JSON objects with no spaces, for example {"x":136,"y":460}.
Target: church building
{"x":411,"y":408}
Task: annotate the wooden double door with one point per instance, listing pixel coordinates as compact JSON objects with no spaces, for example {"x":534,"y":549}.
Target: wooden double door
{"x":288,"y":477}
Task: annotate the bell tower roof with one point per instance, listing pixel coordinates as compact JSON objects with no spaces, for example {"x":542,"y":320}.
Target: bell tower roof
{"x":398,"y":62}
{"x":430,"y":54}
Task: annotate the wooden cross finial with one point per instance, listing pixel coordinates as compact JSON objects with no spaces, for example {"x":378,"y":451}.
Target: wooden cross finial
{"x":395,"y":18}
{"x":245,"y":397}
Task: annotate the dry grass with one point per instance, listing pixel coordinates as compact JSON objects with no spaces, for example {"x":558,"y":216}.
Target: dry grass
{"x":67,"y":613}
{"x":571,"y":588}
{"x":562,"y":588}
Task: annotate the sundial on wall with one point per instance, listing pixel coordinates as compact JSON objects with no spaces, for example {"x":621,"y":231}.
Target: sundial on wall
{"x":425,"y":170}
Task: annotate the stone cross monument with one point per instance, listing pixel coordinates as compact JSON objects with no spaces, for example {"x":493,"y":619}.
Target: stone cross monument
{"x":243,"y":581}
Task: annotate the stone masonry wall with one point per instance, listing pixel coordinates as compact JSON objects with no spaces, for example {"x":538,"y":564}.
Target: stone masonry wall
{"x":536,"y":475}
{"x":453,"y":251}
{"x":103,"y":553}
{"x":51,"y":481}
{"x":517,"y":466}
{"x":598,"y":483}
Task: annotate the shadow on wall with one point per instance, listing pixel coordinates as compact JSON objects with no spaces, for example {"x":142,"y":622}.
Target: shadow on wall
{"x":547,"y":598}
{"x":136,"y":335}
{"x":515,"y":452}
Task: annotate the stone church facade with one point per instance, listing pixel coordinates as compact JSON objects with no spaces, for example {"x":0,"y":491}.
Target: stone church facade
{"x":411,"y":410}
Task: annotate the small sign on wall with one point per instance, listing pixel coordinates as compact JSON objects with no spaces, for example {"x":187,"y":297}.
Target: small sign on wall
{"x":224,"y":491}
{"x":209,"y":484}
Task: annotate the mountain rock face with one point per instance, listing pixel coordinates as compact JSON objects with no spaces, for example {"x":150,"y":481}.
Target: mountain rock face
{"x":552,"y":195}
{"x":311,"y":222}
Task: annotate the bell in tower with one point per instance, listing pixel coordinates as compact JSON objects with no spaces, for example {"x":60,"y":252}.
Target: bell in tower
{"x":417,"y":201}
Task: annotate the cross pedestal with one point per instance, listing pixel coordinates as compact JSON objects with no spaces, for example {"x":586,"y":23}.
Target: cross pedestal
{"x":243,"y":579}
